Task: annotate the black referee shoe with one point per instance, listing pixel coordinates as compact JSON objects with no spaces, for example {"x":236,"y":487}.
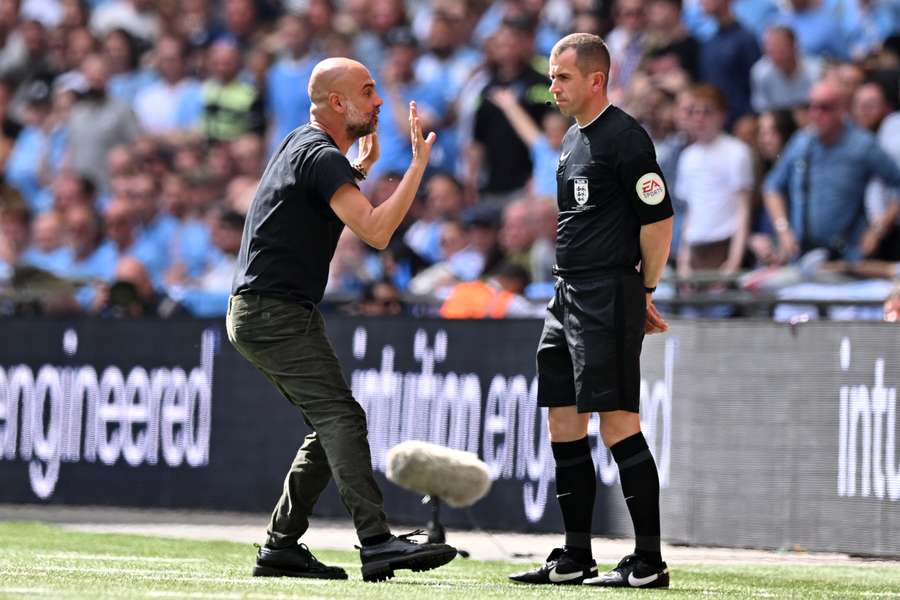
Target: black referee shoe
{"x":381,"y":560}
{"x":634,"y":572}
{"x":293,"y":561}
{"x":560,"y":569}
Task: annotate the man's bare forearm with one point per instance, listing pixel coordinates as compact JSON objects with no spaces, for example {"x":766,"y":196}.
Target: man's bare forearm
{"x":386,"y":217}
{"x":656,"y":239}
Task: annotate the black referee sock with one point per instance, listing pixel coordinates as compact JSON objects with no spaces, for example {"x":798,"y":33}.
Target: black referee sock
{"x":640,"y":486}
{"x":576,"y":487}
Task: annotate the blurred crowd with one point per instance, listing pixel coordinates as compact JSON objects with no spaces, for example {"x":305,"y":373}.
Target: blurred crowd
{"x":134,"y":131}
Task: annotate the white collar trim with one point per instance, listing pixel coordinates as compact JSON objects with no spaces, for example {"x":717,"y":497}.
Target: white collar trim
{"x":595,"y":118}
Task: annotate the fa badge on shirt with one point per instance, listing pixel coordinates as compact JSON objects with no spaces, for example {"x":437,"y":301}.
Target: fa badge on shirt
{"x":581,"y":190}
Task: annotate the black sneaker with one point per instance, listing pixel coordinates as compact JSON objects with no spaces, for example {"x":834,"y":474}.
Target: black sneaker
{"x":381,"y":560}
{"x":560,"y":569}
{"x":293,"y":561}
{"x":633,"y":571}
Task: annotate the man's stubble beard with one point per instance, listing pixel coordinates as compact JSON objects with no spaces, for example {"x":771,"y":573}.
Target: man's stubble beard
{"x":357,"y":125}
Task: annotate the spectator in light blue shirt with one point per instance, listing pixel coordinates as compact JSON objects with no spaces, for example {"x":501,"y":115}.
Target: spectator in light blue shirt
{"x":822,"y":175}
{"x":287,"y":80}
{"x":38,"y":150}
{"x":819,"y":27}
{"x":783,"y":77}
{"x":47,"y":250}
{"x":399,"y":87}
{"x":173,"y":101}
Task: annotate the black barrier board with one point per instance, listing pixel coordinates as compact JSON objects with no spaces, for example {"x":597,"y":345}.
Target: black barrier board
{"x":764,"y":435}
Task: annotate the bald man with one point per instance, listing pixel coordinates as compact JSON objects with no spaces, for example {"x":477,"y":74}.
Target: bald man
{"x":306,"y":196}
{"x":815,"y":193}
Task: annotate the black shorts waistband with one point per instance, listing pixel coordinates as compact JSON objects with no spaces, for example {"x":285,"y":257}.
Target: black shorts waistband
{"x":592,"y":272}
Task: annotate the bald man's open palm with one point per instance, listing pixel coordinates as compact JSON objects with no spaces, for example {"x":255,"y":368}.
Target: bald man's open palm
{"x":421,"y":146}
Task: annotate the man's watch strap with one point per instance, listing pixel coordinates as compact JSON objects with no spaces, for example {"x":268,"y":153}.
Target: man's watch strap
{"x":649,"y":290}
{"x":358,"y":170}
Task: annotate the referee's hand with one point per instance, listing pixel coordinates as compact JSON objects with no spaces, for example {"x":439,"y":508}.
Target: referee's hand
{"x":421,"y":146}
{"x":654,"y":323}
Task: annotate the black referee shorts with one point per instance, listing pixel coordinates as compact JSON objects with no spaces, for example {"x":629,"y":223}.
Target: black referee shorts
{"x":590,"y":350}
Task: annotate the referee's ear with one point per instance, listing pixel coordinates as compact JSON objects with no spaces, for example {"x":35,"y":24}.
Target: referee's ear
{"x":598,"y":82}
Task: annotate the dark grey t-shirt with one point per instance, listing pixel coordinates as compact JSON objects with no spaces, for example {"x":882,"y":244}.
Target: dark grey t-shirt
{"x":291,"y":232}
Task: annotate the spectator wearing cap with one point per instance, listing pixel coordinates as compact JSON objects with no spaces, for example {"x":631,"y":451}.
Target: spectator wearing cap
{"x":400,"y":86}
{"x":823,"y":173}
{"x":97,"y":123}
{"x":498,"y":161}
{"x":38,"y":150}
{"x":783,"y":77}
{"x":231,"y":107}
{"x":727,"y":58}
{"x":288,"y":79}
{"x":174,"y":101}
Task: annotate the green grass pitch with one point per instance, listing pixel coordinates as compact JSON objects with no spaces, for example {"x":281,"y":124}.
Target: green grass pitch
{"x":43,"y":561}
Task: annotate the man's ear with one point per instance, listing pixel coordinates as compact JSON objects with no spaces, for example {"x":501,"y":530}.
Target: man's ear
{"x":336,"y":102}
{"x":598,"y":83}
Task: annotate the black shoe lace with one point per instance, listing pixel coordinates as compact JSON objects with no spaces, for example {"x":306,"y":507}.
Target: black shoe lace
{"x":313,"y":561}
{"x":406,"y":536}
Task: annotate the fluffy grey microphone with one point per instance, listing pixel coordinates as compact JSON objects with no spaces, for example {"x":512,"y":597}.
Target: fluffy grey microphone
{"x":459,"y":478}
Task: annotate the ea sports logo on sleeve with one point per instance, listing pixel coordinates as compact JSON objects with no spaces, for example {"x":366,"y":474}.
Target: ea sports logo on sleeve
{"x":651,"y":189}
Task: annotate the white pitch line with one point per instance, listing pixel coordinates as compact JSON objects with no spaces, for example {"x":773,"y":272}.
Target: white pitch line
{"x":112,"y":557}
{"x":157,"y":575}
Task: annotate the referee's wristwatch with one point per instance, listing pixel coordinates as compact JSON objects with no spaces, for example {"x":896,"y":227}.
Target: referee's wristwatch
{"x":649,"y":290}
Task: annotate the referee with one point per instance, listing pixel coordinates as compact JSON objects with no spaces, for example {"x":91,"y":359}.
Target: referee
{"x":306,"y":195}
{"x":613,"y":235}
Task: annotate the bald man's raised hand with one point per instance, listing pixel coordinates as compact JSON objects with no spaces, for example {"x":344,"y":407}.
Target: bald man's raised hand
{"x":369,"y":151}
{"x":421,"y":146}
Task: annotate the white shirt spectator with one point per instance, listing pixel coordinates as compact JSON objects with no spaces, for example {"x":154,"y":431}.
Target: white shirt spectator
{"x":710,"y":177}
{"x":160,"y":107}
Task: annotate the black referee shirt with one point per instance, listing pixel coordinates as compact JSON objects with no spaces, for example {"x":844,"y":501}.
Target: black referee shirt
{"x":608,"y":185}
{"x":291,"y":232}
